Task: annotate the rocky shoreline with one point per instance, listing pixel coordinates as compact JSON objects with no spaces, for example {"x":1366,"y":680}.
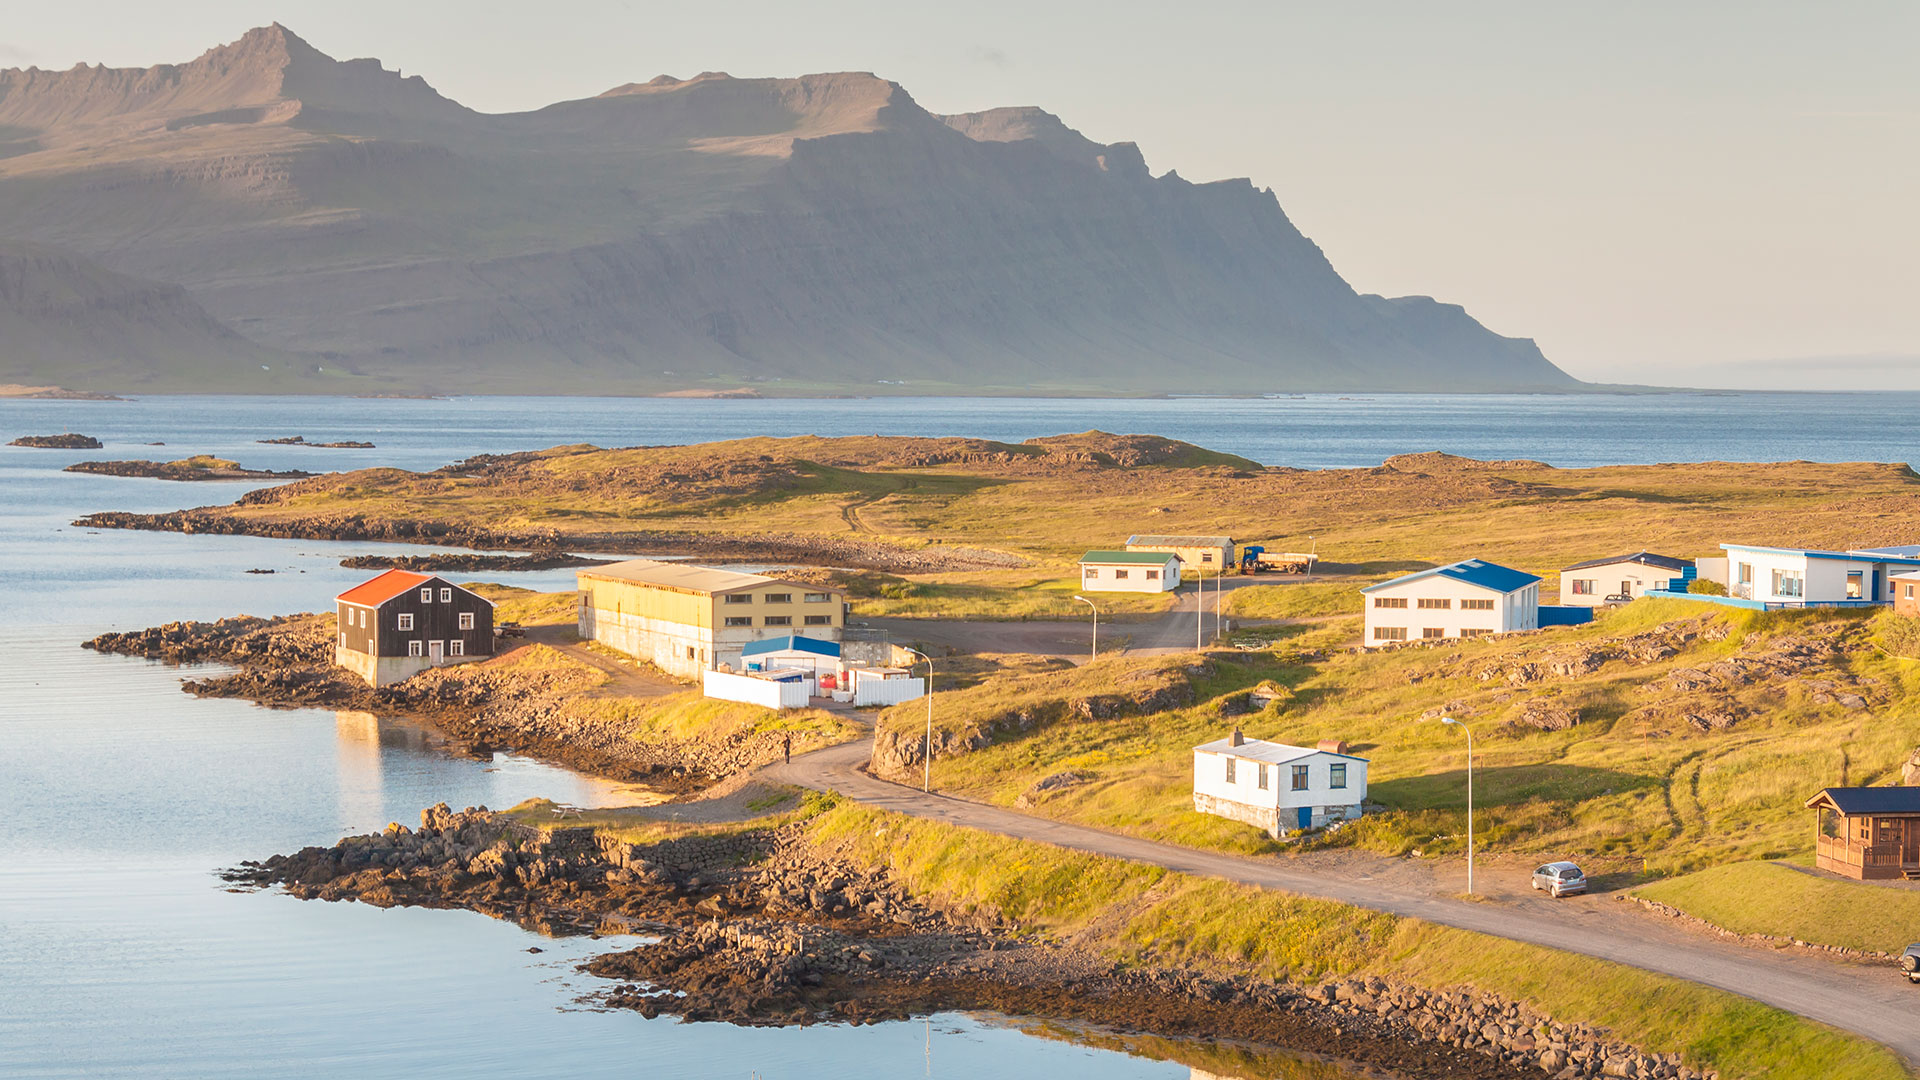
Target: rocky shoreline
{"x":58,"y":442}
{"x":189,"y":469}
{"x":548,"y":560}
{"x":287,"y":662}
{"x":803,"y":548}
{"x":759,"y":927}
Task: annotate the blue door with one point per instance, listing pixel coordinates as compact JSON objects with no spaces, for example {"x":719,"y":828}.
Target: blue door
{"x":1306,"y":817}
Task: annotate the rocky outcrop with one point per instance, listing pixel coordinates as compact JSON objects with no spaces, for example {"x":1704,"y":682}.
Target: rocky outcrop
{"x":556,"y":560}
{"x":58,"y":442}
{"x":189,"y":469}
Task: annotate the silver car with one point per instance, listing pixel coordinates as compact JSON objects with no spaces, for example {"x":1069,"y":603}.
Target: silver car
{"x":1560,"y":879}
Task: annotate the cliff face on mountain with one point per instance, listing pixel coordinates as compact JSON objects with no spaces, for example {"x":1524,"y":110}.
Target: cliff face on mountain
{"x":821,"y":232}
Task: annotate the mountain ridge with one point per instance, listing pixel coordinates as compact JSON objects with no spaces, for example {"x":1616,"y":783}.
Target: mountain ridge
{"x":822,"y":231}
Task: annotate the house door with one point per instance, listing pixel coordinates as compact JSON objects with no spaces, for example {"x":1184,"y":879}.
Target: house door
{"x":436,"y":651}
{"x":1911,"y":853}
{"x":1306,"y":817}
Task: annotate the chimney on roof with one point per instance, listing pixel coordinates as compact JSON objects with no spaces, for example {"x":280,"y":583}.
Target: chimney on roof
{"x":1236,"y":739}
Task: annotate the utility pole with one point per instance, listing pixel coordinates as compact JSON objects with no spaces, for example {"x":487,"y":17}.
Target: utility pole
{"x":926,"y":772}
{"x":1469,"y":731}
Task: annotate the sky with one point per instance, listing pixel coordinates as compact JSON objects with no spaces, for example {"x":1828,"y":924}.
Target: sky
{"x":1700,"y":193}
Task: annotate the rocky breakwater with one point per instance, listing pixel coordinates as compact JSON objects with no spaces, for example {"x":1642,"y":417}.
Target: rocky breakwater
{"x":760,"y":927}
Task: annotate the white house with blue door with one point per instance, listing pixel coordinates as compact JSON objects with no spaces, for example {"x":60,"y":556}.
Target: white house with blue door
{"x":1275,"y":786}
{"x":1808,"y":577}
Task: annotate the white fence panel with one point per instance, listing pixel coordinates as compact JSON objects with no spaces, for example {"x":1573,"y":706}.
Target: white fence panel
{"x":765,"y":692}
{"x":887,"y":691}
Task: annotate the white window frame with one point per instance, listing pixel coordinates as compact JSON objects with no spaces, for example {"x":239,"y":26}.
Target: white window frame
{"x":1119,"y":575}
{"x":406,"y":621}
{"x":446,"y":596}
{"x":416,"y":647}
{"x":466,"y":620}
{"x":426,"y":594}
{"x":456,"y":647}
{"x":1230,"y":772}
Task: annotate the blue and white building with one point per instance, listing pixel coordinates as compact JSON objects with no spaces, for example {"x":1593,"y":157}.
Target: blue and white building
{"x":1470,"y":598}
{"x":1772,"y":578}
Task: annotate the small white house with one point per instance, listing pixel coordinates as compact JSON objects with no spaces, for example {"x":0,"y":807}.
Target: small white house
{"x":1802,"y":577}
{"x":883,"y":685}
{"x":1129,"y":571}
{"x":1470,"y":598}
{"x":1619,"y":579}
{"x":1276,"y":786}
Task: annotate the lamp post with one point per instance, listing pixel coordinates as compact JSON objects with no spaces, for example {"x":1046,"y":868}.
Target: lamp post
{"x":1096,"y":627}
{"x":1199,"y":608}
{"x":926,"y":773}
{"x":1469,"y":731}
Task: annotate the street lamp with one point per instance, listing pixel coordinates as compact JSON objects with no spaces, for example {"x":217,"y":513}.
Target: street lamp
{"x":1469,"y":731}
{"x":1096,"y":627}
{"x":926,"y":774}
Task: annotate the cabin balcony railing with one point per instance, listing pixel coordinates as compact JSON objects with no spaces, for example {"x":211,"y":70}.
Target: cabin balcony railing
{"x":1840,"y":850}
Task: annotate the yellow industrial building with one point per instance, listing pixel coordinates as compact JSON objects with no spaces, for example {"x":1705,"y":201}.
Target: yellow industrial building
{"x":688,"y":619}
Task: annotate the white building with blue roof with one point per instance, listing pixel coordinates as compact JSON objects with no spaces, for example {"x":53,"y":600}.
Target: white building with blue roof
{"x":1772,"y":577}
{"x":1469,"y":598}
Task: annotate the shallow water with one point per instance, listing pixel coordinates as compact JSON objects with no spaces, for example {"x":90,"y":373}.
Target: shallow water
{"x":122,"y":954}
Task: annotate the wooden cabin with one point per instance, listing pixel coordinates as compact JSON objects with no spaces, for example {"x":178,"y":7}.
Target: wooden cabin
{"x":1868,"y":832}
{"x":401,"y":623}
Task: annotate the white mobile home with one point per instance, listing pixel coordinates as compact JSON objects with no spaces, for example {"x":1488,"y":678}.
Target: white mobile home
{"x":1276,"y":786}
{"x":1129,"y":571}
{"x":1803,"y":577}
{"x":1620,"y":579}
{"x":1470,"y":598}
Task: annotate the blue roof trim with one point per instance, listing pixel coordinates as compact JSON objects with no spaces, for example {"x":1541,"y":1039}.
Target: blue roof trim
{"x":792,"y":643}
{"x":1486,"y":575}
{"x":1862,"y":555}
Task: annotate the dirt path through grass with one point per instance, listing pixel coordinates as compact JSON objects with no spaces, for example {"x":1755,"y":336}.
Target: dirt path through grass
{"x":1872,"y":1001}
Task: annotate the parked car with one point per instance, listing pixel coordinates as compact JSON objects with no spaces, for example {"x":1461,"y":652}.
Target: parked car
{"x":1910,"y":963}
{"x":1560,"y":879}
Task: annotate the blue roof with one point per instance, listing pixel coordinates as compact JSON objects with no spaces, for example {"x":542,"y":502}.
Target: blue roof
{"x":792,"y":643}
{"x":1472,"y":571}
{"x":1880,"y":555}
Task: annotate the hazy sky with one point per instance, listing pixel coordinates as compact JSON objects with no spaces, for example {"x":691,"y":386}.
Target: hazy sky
{"x":1655,"y":192}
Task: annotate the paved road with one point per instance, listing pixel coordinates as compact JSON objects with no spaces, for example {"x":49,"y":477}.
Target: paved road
{"x":1869,"y":1000}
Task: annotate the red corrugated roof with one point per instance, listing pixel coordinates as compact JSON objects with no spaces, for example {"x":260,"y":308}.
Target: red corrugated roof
{"x":381,"y":589}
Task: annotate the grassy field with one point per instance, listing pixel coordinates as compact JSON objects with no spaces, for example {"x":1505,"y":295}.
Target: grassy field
{"x":1142,"y":914}
{"x":1633,"y":778}
{"x":1301,"y":599}
{"x":1000,"y":594}
{"x":1768,"y":898}
{"x":1051,"y":499}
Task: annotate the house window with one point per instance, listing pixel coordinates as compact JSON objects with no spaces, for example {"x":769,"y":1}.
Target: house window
{"x":1263,"y":776}
{"x":1626,"y":588}
{"x":1206,"y":556}
{"x":739,"y":598}
{"x":1120,"y":575}
{"x":415,"y":648}
{"x":815,"y":598}
{"x":739,"y":620}
{"x":406,"y":620}
{"x":1909,"y":592}
{"x":1789,"y":583}
{"x":1390,"y":601}
{"x":466,"y":620}
{"x":1745,"y":574}
{"x":1474,"y":632}
{"x":779,"y":620}
{"x":1476,"y":605}
{"x":1230,"y":778}
{"x":343,"y":639}
{"x":1153,"y":575}
{"x":689,"y":652}
{"x":1583,"y":586}
{"x":819,"y":620}
{"x":1389,"y":633}
{"x":1090,"y":572}
{"x":426,"y":596}
{"x":779,"y":598}
{"x":1337,"y":775}
{"x":1300,"y":778}
{"x":456,"y":647}
{"x":1430,"y":603}
{"x":1431,"y":632}
{"x":1855,"y":589}
{"x":446,"y":596}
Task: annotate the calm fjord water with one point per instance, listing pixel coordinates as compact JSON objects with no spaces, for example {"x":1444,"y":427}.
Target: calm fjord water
{"x":121,"y":955}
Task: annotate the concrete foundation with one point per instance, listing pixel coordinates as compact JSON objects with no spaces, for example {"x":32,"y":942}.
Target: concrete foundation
{"x":387,"y":670}
{"x":1276,"y":820}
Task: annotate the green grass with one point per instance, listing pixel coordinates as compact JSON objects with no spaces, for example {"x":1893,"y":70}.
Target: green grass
{"x":1769,"y":898}
{"x":1301,"y":600}
{"x":527,"y":607}
{"x":1145,"y":915}
{"x":992,"y":595}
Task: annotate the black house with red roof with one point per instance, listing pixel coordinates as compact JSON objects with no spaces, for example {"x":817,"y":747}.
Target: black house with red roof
{"x":400,"y":623}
